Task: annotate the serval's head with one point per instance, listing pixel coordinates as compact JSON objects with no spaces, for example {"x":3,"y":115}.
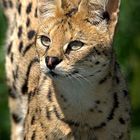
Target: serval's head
{"x":75,"y":36}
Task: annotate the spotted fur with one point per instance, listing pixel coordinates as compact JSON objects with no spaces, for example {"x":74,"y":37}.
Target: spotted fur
{"x":64,"y":81}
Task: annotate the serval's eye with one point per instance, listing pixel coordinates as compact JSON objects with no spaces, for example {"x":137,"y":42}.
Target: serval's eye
{"x":75,"y":45}
{"x":45,"y":41}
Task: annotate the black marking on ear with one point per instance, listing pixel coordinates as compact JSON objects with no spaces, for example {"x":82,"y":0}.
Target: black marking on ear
{"x":29,"y":8}
{"x":31,"y":34}
{"x":98,"y":18}
{"x":106,"y":16}
{"x":16,"y":118}
{"x":115,"y":106}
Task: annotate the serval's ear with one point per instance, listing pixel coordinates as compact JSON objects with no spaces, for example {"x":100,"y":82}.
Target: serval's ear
{"x":112,"y":8}
{"x":50,"y":8}
{"x":97,"y":10}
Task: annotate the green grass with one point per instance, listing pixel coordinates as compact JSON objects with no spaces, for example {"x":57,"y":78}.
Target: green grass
{"x":136,"y":134}
{"x":4,"y":111}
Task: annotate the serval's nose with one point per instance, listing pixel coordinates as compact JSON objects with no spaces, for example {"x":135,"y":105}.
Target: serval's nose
{"x":51,"y":62}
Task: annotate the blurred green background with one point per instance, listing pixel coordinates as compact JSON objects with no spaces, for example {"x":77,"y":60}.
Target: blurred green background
{"x":127,"y":46}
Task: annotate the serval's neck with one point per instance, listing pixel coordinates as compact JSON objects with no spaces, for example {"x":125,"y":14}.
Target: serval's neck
{"x":80,"y":92}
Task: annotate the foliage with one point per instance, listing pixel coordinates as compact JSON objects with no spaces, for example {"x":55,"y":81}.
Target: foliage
{"x":4,"y":112}
{"x":127,"y":44}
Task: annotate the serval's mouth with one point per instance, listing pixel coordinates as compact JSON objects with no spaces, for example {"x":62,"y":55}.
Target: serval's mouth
{"x":52,"y":74}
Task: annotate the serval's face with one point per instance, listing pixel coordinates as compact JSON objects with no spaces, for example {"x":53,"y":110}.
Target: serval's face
{"x":74,"y":42}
